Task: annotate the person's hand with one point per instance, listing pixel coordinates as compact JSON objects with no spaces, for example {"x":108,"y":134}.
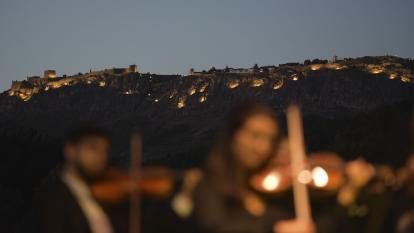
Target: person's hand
{"x":254,"y":204}
{"x":359,"y":172}
{"x":294,"y":226}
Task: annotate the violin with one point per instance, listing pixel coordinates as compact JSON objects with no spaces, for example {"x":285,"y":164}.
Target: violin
{"x":327,"y":171}
{"x":324,"y":173}
{"x":272,"y":180}
{"x":117,"y":185}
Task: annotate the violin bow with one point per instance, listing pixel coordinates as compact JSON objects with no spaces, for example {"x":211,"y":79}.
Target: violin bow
{"x":297,"y":152}
{"x":135,"y":172}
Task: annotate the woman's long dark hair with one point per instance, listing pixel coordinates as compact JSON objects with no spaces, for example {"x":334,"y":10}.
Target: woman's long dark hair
{"x":221,"y":165}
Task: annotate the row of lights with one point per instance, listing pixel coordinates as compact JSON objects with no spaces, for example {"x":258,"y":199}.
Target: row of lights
{"x":317,"y":175}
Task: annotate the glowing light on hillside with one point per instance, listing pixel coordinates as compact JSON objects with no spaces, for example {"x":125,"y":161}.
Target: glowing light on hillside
{"x":181,"y":102}
{"x":233,"y":84}
{"x":11,"y":93}
{"x":156,"y":100}
{"x":129,"y":92}
{"x":335,"y":66}
{"x":88,"y":82}
{"x":271,"y":181}
{"x":392,"y":76}
{"x":295,"y":78}
{"x":278,"y":84}
{"x":320,"y":177}
{"x":202,"y":99}
{"x":316,"y":67}
{"x":172,"y":94}
{"x":56,"y":85}
{"x":203,"y":88}
{"x":405,"y":79}
{"x":24,"y":97}
{"x":257,"y":83}
{"x":374,"y":69}
{"x":191,"y":91}
{"x":102,"y":83}
{"x":47,"y":88}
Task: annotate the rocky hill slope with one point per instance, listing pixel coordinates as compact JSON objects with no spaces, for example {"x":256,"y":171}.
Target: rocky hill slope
{"x":355,"y":107}
{"x":179,"y":113}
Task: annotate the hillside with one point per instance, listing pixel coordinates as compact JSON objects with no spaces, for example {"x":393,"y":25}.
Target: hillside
{"x":355,"y":107}
{"x":179,"y":113}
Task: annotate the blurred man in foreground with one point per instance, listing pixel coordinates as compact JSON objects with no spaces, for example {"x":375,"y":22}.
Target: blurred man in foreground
{"x":68,"y":205}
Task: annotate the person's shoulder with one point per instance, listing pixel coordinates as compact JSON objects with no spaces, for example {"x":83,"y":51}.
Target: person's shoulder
{"x":204,"y":185}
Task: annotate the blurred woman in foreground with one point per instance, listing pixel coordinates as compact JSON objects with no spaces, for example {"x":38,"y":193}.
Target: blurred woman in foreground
{"x":224,"y":199}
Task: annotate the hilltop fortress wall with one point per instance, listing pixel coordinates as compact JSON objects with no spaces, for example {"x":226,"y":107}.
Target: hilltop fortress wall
{"x":34,"y":84}
{"x":386,"y":66}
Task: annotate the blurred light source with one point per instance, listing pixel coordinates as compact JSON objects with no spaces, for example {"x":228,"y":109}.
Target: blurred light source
{"x":320,"y":177}
{"x":271,"y":181}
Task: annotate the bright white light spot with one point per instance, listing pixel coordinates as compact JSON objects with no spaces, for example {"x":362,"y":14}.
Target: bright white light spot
{"x":320,"y":177}
{"x":271,"y":181}
{"x":305,"y":176}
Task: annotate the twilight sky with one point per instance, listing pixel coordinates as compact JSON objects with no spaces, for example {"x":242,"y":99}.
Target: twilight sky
{"x":171,"y":36}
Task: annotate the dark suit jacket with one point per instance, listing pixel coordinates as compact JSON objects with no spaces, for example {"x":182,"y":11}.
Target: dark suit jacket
{"x":59,"y":212}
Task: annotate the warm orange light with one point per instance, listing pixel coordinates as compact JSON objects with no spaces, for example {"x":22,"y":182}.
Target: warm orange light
{"x":233,"y":84}
{"x":316,"y":67}
{"x":181,"y":102}
{"x":392,"y":76}
{"x":405,"y":79}
{"x":257,"y":83}
{"x":203,"y":88}
{"x":278,"y":84}
{"x":191,"y":91}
